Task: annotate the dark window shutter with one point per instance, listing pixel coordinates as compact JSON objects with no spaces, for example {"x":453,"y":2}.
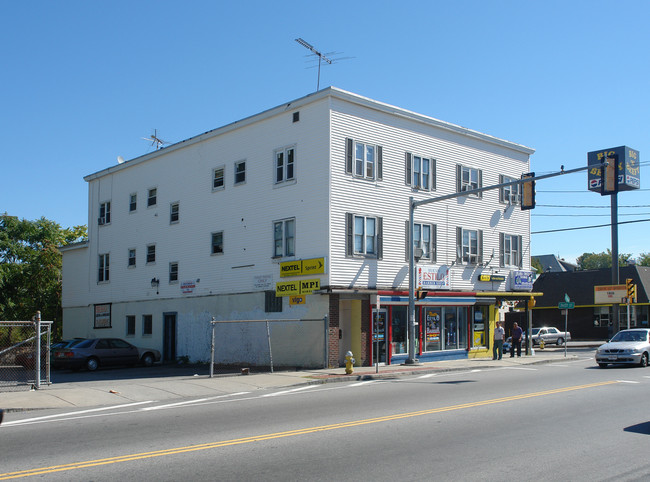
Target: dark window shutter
{"x":459,"y":245}
{"x":480,"y":247}
{"x":407,"y":169}
{"x":433,"y":174}
{"x":520,"y":261}
{"x":502,"y":246}
{"x":501,"y":198}
{"x":379,"y":163}
{"x":480,"y":182}
{"x":458,"y":176}
{"x":380,"y":238}
{"x":434,"y":243}
{"x":349,"y":149}
{"x":349,"y":234}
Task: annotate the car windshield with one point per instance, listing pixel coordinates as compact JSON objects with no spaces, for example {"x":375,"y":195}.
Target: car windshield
{"x":630,"y":336}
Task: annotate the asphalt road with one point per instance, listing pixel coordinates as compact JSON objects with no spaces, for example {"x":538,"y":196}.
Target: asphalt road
{"x":569,"y":420}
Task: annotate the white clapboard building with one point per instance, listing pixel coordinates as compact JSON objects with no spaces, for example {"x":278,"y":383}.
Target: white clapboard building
{"x":299,"y":215}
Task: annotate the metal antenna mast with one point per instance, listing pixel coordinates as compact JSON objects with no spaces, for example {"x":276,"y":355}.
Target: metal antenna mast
{"x":318,"y":54}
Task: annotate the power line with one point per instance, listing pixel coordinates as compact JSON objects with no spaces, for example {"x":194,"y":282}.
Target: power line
{"x":589,"y":227}
{"x":563,"y":206}
{"x":586,"y":215}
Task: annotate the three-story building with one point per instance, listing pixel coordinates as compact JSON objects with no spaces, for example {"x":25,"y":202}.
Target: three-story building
{"x":301,"y":213}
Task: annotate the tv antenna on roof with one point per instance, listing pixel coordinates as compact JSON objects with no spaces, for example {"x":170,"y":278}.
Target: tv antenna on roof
{"x":155,"y":140}
{"x":321,"y":57}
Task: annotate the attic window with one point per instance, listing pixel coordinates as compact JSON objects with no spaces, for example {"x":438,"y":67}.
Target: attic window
{"x":296,"y":116}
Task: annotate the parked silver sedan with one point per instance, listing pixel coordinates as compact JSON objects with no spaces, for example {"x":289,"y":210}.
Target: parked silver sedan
{"x":627,"y":347}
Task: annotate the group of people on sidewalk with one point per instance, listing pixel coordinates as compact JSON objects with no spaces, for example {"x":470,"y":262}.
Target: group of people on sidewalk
{"x":499,"y":336}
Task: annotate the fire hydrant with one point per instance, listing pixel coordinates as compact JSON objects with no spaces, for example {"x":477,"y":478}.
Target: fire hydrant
{"x":541,"y":343}
{"x":349,"y":362}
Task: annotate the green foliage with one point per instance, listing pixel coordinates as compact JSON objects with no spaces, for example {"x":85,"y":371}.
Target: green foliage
{"x":536,"y":265}
{"x":30,"y":267}
{"x":643,"y":259}
{"x":600,"y":260}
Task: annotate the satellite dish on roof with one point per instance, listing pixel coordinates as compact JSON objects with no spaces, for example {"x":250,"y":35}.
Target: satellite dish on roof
{"x":120,"y":160}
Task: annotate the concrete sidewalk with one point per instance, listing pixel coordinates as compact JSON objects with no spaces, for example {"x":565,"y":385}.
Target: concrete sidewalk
{"x":115,"y":392}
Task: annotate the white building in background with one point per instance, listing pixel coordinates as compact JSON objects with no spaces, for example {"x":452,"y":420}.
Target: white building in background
{"x":216,"y":226}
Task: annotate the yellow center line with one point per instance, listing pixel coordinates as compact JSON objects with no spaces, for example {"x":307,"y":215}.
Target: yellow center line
{"x":290,"y":433}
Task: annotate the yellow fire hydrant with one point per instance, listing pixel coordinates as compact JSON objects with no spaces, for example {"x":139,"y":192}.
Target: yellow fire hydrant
{"x":541,"y":343}
{"x":349,"y":362}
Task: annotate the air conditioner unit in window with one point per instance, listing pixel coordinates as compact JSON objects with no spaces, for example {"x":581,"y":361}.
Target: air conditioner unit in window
{"x":472,"y":259}
{"x":513,"y":199}
{"x":101,"y":221}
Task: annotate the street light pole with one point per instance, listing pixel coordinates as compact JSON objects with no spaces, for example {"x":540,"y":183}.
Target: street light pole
{"x":411,"y":318}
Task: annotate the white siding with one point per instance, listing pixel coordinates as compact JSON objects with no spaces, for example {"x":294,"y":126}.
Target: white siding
{"x":388,"y":198}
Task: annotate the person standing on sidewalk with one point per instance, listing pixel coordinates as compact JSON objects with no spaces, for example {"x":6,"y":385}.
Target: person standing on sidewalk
{"x":497,"y":346}
{"x":517,"y":333}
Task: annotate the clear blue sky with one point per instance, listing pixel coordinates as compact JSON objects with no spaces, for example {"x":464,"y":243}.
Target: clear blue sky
{"x":83,"y":81}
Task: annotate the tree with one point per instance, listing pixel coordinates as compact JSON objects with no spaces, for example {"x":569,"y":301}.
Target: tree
{"x":643,"y":259}
{"x":30,"y":267}
{"x":600,"y":260}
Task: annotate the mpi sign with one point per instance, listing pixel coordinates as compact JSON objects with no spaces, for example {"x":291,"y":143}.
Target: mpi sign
{"x":627,"y":168}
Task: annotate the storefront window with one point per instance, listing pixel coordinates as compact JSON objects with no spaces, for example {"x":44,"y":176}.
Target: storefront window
{"x":432,"y":336}
{"x":399,"y":329}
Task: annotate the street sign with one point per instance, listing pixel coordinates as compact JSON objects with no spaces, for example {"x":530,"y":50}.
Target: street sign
{"x":564,"y":305}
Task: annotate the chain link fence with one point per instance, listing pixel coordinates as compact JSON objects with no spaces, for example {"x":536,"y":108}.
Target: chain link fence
{"x":24,"y":354}
{"x":262,"y":345}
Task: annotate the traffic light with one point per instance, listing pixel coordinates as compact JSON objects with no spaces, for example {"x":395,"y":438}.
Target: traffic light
{"x":528,"y":191}
{"x":631,"y":290}
{"x":609,"y":174}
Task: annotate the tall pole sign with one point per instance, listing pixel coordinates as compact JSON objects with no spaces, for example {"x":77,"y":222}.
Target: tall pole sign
{"x":620,"y":172}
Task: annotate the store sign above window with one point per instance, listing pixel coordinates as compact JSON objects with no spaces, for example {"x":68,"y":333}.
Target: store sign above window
{"x":492,"y":277}
{"x":433,"y":278}
{"x":522,"y":280}
{"x":302,"y":267}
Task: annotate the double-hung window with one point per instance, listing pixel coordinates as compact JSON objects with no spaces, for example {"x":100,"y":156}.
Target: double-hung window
{"x":468,"y":179}
{"x":363,"y":160}
{"x":151,"y":253}
{"x":147,"y":324}
{"x":216,"y":243}
{"x":173,"y":272}
{"x":424,"y":238}
{"x":218,"y":178}
{"x":174,"y":212}
{"x":131,"y":257}
{"x":420,"y":172}
{"x":469,"y":246}
{"x":510,"y":250}
{"x":508,"y":194}
{"x":130,"y":325}
{"x":284,"y":238}
{"x":364,"y":236}
{"x":133,"y":202}
{"x":285,"y":164}
{"x":240,"y":172}
{"x":152,"y":197}
{"x":103,"y":268}
{"x":104,"y":213}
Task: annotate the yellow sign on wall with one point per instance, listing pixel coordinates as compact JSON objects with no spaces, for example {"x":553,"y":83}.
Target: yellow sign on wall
{"x":302,"y":267}
{"x":295,"y":288}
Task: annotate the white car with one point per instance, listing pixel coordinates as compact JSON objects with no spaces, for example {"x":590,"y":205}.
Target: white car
{"x":627,"y":347}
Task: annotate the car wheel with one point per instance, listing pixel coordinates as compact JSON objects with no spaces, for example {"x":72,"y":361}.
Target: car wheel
{"x":560,"y":341}
{"x":147,"y":360}
{"x":92,"y":364}
{"x":644,"y":360}
{"x":602,"y":365}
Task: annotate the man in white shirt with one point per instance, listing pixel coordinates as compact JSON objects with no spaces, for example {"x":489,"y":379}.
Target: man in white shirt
{"x":497,"y":347}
